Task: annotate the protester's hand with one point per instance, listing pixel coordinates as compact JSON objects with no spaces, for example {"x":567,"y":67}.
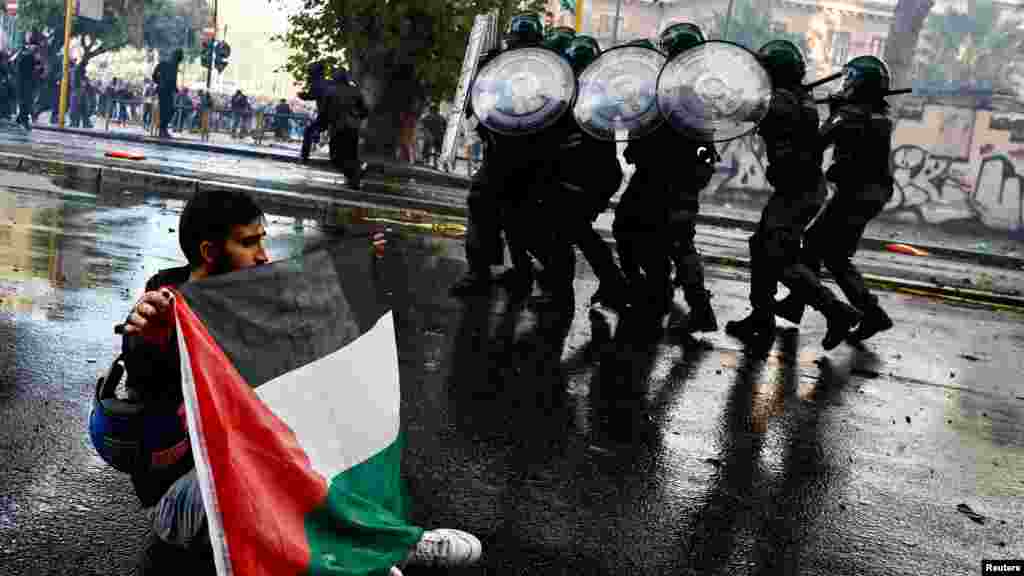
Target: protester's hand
{"x":151,"y":318}
{"x":379,"y":243}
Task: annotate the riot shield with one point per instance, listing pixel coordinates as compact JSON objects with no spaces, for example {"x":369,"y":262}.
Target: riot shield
{"x":617,"y":98}
{"x":714,"y":92}
{"x":482,"y":38}
{"x":523,"y":91}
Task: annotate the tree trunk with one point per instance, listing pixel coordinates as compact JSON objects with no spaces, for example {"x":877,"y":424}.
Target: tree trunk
{"x":390,"y":92}
{"x":903,"y":37}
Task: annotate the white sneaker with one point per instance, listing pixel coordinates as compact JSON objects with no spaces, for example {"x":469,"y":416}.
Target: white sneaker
{"x":446,"y":548}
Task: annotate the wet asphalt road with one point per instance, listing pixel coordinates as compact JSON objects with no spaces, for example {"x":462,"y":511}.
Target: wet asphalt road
{"x":570,"y":446}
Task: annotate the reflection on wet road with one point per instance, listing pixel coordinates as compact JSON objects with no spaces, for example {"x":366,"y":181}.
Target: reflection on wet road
{"x":571,"y":445}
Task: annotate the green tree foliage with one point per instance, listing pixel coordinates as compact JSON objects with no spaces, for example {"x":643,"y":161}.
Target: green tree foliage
{"x":751,"y":27}
{"x":404,"y":53}
{"x":165,"y":27}
{"x":975,"y":47}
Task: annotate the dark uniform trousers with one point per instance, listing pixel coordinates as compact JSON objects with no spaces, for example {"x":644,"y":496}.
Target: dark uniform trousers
{"x":312,"y":130}
{"x":345,"y":151}
{"x":775,"y":246}
{"x":484,"y":245}
{"x":683,"y":251}
{"x":833,"y":238}
{"x":642,"y":235}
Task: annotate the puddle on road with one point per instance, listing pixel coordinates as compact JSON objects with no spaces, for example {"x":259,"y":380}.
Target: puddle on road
{"x":53,"y":240}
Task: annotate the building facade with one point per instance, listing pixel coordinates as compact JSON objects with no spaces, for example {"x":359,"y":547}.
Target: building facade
{"x":835,"y":30}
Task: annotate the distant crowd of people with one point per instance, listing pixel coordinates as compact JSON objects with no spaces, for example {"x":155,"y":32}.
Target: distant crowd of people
{"x":30,"y":87}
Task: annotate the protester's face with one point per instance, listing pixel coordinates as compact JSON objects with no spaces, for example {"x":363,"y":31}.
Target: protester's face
{"x":243,"y":248}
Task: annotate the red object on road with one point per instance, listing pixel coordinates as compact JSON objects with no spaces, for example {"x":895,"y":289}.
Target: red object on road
{"x":905,"y":249}
{"x":125,"y":155}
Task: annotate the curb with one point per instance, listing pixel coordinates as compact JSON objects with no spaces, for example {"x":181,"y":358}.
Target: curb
{"x":879,"y":245}
{"x":376,"y":165}
{"x":319,"y":200}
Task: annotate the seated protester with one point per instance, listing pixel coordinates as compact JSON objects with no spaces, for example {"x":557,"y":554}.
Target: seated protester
{"x":220,"y":232}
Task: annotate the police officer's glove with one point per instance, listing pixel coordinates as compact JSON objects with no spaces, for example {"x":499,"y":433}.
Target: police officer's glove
{"x":572,"y":141}
{"x":707,"y":155}
{"x":571,"y":187}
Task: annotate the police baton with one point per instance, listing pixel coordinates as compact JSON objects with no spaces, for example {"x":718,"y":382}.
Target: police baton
{"x":824,"y":80}
{"x":833,"y":98}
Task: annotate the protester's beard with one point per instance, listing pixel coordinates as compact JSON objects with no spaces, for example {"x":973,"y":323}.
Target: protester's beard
{"x":222,"y":264}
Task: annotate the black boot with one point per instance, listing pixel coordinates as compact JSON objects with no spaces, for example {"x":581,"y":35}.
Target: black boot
{"x":875,"y":320}
{"x":702,"y":316}
{"x":841,"y":317}
{"x":756,"y":330}
{"x":790,"y":308}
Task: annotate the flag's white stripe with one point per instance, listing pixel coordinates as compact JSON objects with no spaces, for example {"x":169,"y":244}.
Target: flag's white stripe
{"x":201,"y":458}
{"x":344,"y":407}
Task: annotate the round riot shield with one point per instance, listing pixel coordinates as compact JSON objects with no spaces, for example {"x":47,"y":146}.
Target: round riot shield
{"x":715,"y":91}
{"x":523,"y":91}
{"x":617,"y":99}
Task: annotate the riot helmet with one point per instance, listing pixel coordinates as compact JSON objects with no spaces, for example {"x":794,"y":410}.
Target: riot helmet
{"x":581,"y":52}
{"x":784,"y":61}
{"x":645,"y":42}
{"x":525,"y":30}
{"x":679,"y":37}
{"x":867,"y":78}
{"x":559,"y":39}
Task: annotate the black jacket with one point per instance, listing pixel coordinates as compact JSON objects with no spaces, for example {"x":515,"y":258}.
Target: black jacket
{"x":862,"y":136}
{"x":157,"y":377}
{"x":588,"y":169}
{"x":790,"y":132}
{"x":673,"y":167}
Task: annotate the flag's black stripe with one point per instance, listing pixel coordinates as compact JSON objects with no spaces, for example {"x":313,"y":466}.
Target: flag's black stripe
{"x":273,"y":319}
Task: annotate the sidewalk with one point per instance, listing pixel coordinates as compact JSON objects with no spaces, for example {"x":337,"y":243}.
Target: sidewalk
{"x":272,"y":150}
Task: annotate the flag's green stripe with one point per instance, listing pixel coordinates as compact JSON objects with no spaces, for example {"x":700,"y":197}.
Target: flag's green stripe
{"x":363,"y":526}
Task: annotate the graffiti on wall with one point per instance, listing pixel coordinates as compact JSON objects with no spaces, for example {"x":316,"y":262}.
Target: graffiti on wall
{"x":958,"y":170}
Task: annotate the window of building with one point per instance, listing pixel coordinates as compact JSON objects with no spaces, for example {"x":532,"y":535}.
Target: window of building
{"x":604,"y":27}
{"x":840,"y":47}
{"x":878,"y":46}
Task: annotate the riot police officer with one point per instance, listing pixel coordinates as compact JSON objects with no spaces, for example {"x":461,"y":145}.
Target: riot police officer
{"x":589,"y":174}
{"x":667,"y":165}
{"x":559,"y":39}
{"x":860,"y":127}
{"x":685,"y":205}
{"x":483,"y":242}
{"x":790,"y":133}
{"x":523,"y":172}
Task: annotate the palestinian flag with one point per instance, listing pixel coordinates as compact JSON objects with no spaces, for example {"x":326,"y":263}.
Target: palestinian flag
{"x":290,"y":375}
